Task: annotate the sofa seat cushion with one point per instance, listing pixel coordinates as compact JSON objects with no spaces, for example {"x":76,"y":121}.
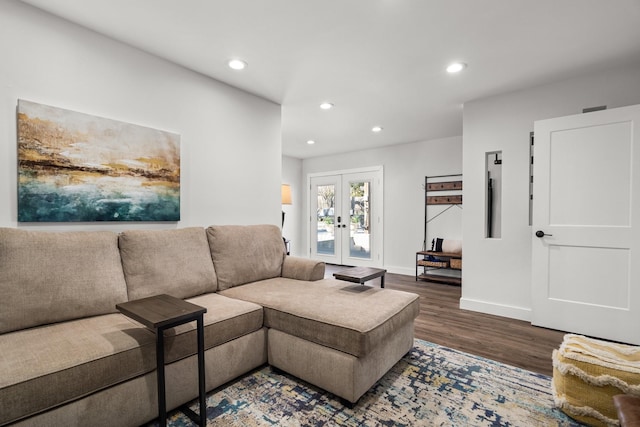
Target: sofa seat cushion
{"x":48,"y":277}
{"x":47,"y":366}
{"x":174,"y":262}
{"x":350,"y":318}
{"x":225,"y":320}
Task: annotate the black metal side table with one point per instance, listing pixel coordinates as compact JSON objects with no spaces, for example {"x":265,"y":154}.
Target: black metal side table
{"x":162,"y":312}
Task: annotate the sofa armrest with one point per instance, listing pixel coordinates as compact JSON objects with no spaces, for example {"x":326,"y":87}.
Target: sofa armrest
{"x":302,"y":268}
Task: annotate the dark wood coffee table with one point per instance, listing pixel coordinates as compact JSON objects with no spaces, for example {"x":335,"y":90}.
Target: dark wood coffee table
{"x":162,"y":312}
{"x":361,"y":275}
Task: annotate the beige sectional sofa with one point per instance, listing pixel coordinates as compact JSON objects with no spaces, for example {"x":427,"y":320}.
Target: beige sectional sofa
{"x":67,"y":357}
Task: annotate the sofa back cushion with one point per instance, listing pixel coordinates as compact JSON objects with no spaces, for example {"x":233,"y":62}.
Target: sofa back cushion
{"x":48,"y":277}
{"x":245,"y":253}
{"x":174,"y":262}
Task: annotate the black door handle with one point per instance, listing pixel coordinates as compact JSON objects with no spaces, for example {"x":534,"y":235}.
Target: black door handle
{"x":541,"y":233}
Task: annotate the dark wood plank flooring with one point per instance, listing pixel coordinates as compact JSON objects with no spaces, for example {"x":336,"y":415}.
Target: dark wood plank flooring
{"x":441,"y":321}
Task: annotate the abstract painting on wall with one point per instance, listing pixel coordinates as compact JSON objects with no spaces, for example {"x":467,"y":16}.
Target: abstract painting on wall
{"x":77,"y":167}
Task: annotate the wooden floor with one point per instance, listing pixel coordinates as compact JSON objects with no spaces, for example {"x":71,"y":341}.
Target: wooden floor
{"x":441,"y":321}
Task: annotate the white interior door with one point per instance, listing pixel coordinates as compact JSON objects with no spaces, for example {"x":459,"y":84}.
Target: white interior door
{"x":585,"y":249}
{"x":346,"y":218}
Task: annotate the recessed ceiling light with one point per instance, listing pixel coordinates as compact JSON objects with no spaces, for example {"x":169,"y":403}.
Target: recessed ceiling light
{"x":326,"y":105}
{"x":456,"y":67}
{"x":376,"y":129}
{"x":237,"y":64}
{"x":311,"y":142}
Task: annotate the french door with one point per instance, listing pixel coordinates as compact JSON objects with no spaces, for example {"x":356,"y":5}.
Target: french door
{"x":346,"y":218}
{"x":585,"y":253}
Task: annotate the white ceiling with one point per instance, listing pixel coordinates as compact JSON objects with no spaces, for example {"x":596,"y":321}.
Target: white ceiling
{"x":381,"y":62}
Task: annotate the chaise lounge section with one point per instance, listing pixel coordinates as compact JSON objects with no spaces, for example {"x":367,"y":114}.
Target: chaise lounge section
{"x":340,"y":337}
{"x":67,"y":357}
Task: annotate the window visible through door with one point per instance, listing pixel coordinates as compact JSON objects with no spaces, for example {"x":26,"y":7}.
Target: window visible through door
{"x":346,"y":220}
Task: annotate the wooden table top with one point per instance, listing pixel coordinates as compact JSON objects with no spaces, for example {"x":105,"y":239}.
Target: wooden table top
{"x":360,"y":273}
{"x":160,"y":310}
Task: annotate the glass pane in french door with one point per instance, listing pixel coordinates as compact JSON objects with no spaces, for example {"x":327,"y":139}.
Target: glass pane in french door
{"x":359,"y":219}
{"x":325,"y":237}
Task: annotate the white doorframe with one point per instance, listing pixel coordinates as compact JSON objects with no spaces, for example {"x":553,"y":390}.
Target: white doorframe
{"x":377,"y":209}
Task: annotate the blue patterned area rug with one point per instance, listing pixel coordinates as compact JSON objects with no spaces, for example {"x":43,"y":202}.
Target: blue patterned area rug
{"x":431,"y":386}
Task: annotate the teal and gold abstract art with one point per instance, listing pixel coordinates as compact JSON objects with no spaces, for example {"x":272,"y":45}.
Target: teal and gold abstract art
{"x":78,"y":167}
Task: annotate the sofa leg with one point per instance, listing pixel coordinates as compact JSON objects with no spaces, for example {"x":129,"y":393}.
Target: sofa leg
{"x":277,"y":371}
{"x":346,"y":403}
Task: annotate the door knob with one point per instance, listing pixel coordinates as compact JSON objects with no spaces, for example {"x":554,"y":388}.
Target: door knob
{"x":541,"y":233}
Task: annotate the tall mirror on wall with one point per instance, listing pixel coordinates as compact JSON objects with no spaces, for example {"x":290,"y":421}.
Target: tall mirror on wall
{"x":493,"y":170}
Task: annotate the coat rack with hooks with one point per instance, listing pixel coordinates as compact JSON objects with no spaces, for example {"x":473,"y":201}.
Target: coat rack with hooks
{"x":437,"y":265}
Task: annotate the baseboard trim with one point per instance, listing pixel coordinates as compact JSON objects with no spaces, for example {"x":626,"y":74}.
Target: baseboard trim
{"x":512,"y":312}
{"x":400,"y":270}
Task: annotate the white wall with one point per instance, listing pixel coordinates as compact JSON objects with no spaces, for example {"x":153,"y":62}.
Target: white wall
{"x":405,"y":167}
{"x":292,"y":230}
{"x":230,"y":140}
{"x":497,"y":272}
